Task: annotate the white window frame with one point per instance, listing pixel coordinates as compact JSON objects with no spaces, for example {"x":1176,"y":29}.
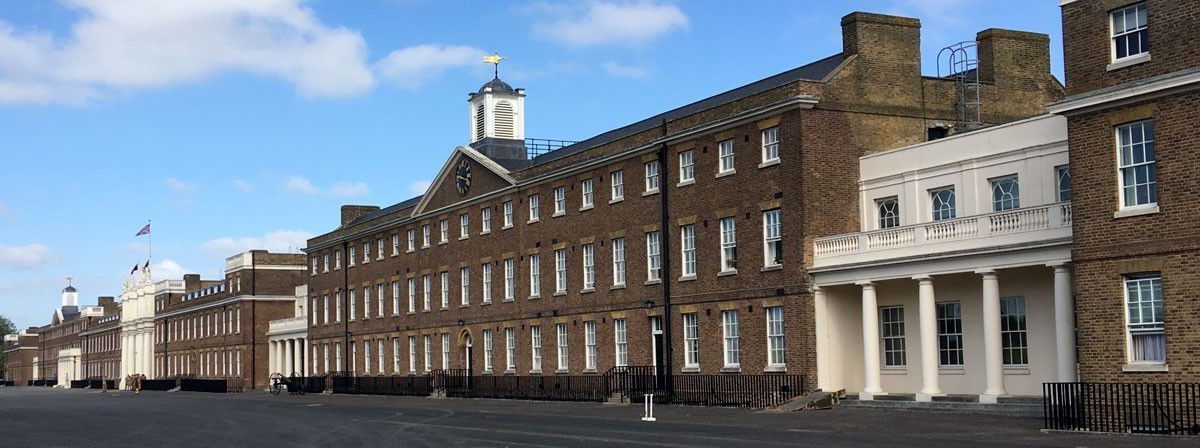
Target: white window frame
{"x":1137,"y":324}
{"x":560,"y":271}
{"x":425,"y":236}
{"x":772,"y":238}
{"x":535,"y":208}
{"x":951,"y":352}
{"x":726,"y":157}
{"x":560,"y":201}
{"x":1062,"y":173}
{"x":730,"y":339}
{"x":691,"y":341}
{"x":618,"y":261}
{"x":1014,"y":331}
{"x":587,"y":194}
{"x":562,"y":339}
{"x":776,"y":338}
{"x":535,"y":348}
{"x":1125,"y":165}
{"x":1006,"y":193}
{"x":687,"y":249}
{"x":464,"y":226}
{"x":889,"y":217}
{"x":617,"y":188}
{"x":485,"y":220}
{"x":770,"y":145}
{"x":939,"y":209}
{"x":891,"y":329}
{"x":535,"y":275}
{"x":396,"y":297}
{"x":510,"y":349}
{"x":412,"y":240}
{"x":445,"y":351}
{"x":427,"y":285}
{"x":687,"y":167}
{"x":729,"y":256}
{"x":487,"y":351}
{"x":487,"y":282}
{"x":510,"y":279}
{"x":653,"y":256}
{"x":412,"y":295}
{"x":652,"y":180}
{"x":508,"y":214}
{"x":589,"y":267}
{"x":621,"y":342}
{"x":591,"y":354}
{"x":1140,"y":14}
{"x":412,"y":354}
{"x":445,"y":289}
{"x":464,"y":286}
{"x":395,"y":244}
{"x":444,"y":231}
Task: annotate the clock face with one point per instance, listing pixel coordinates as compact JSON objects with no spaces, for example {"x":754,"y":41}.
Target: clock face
{"x":463,"y":177}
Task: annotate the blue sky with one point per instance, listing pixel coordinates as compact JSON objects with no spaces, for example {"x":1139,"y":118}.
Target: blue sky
{"x":245,"y":124}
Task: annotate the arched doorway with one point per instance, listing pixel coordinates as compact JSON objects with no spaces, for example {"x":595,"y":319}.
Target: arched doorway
{"x":467,"y":352}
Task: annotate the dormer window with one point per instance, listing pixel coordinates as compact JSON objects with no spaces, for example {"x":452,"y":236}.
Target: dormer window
{"x":1130,"y":32}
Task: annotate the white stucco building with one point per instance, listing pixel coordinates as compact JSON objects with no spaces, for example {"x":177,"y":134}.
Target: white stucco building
{"x":289,"y":339}
{"x":959,"y":281}
{"x":137,"y":322}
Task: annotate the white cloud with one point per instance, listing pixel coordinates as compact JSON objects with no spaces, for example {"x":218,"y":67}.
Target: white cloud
{"x":116,"y":46}
{"x":180,"y":186}
{"x":414,"y":66}
{"x":600,"y":23}
{"x":168,"y":269}
{"x":277,"y":241}
{"x":297,"y":184}
{"x":30,"y":256}
{"x":243,"y":185}
{"x":419,"y":187}
{"x":301,"y":185}
{"x":624,"y":71}
{"x":349,"y":189}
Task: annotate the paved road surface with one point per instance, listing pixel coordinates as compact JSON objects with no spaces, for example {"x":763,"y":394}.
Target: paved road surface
{"x":44,"y":418}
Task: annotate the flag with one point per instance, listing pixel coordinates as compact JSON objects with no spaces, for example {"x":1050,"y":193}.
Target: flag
{"x":147,"y":265}
{"x":135,"y":268}
{"x":144,"y":231}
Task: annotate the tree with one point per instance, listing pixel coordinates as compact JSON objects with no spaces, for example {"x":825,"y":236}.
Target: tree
{"x":6,"y":327}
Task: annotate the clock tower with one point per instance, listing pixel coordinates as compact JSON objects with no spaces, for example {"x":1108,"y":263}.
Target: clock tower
{"x":496,"y":114}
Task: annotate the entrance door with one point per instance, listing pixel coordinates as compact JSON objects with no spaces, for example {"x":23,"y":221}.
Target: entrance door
{"x":659,"y":351}
{"x":467,"y":358}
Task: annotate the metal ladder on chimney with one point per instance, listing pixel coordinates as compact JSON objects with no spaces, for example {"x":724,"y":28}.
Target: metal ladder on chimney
{"x":961,"y":63}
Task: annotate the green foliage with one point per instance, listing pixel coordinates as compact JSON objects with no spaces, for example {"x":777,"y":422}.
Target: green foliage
{"x":6,"y":327}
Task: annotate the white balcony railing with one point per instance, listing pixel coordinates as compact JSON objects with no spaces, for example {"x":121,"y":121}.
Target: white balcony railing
{"x":1010,"y":222}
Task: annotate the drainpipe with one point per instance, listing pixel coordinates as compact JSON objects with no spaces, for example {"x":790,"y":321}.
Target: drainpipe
{"x":346,"y":306}
{"x":665,"y":251}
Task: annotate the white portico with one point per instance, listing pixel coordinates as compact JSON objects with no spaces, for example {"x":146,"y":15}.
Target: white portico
{"x":288,"y":340}
{"x":959,"y":282}
{"x":137,"y":322}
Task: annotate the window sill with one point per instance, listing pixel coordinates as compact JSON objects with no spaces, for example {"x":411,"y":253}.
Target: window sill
{"x":443,"y":242}
{"x":378,"y":258}
{"x":726,"y":173}
{"x":465,"y":305}
{"x":425,"y":246}
{"x":1144,"y":367}
{"x":775,"y":369}
{"x":1016,"y":370}
{"x":768,"y":163}
{"x":650,"y":192}
{"x":731,"y":369}
{"x":557,"y":214}
{"x":485,"y":303}
{"x":691,"y":369}
{"x":535,"y":297}
{"x":614,"y":201}
{"x":395,"y":254}
{"x":777,"y":267}
{"x":727,"y":273}
{"x":586,"y":208}
{"x":587,"y":290}
{"x":1136,"y":211}
{"x":616,"y":287}
{"x":533,"y":221}
{"x":589,"y":371}
{"x":445,"y":308}
{"x":893,"y":371}
{"x":653,"y":282}
{"x":535,"y":372}
{"x":510,"y":372}
{"x":411,"y":313}
{"x":686,"y":183}
{"x":486,"y":372}
{"x":953,"y":370}
{"x":1128,"y":62}
{"x":485,"y":232}
{"x":425,"y":310}
{"x":560,"y":293}
{"x":461,"y":238}
{"x":510,"y":299}
{"x":410,"y":251}
{"x":562,"y":372}
{"x":506,"y":227}
{"x":688,"y":278}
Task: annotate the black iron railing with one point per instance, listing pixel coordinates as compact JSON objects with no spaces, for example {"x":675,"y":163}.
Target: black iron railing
{"x":160,"y":384}
{"x":752,"y":391}
{"x":43,"y":383}
{"x":552,"y":388}
{"x":1152,"y":408}
{"x":417,"y":385}
{"x":538,"y":146}
{"x":218,"y":385}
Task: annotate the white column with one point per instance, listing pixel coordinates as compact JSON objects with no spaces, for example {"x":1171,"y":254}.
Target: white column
{"x":927,"y":319}
{"x":304,"y":354}
{"x":820,"y":327}
{"x":1064,"y":324}
{"x":272,"y":357}
{"x":870,"y":323}
{"x":287,"y":348}
{"x":992,"y":357}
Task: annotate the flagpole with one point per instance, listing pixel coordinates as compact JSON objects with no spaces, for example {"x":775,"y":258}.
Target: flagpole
{"x":149,"y":245}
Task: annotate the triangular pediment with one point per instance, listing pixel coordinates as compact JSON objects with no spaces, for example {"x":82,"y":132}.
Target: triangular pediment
{"x":465,"y":169}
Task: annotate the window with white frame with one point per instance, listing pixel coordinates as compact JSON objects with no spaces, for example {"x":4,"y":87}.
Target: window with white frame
{"x":776,"y":344}
{"x":353,"y":305}
{"x":653,"y":256}
{"x":395,"y":356}
{"x":353,"y":256}
{"x":366,"y":252}
{"x":510,"y":349}
{"x":622,"y":344}
{"x":691,"y":341}
{"x":337,"y":304}
{"x":354,"y":356}
{"x":949,"y":334}
{"x":772,"y":238}
{"x":729,"y":244}
{"x":687,"y":244}
{"x":1138,"y":171}
{"x":560,"y":271}
{"x":382,"y":357}
{"x":425,"y":235}
{"x":337,"y":262}
{"x":315,"y":301}
{"x":325,"y":260}
{"x":589,"y":267}
{"x":591,"y":354}
{"x":412,"y":240}
{"x":464,"y":226}
{"x":687,"y":166}
{"x":560,"y":200}
{"x":510,"y":279}
{"x":379,"y":249}
{"x":1006,"y":193}
{"x":888,"y":210}
{"x":444,"y":227}
{"x":412,"y":354}
{"x":651,"y":176}
{"x":617,"y":185}
{"x":730,"y":342}
{"x":618,"y":261}
{"x":535,"y":348}
{"x":1130,"y":32}
{"x":586,"y":189}
{"x":445,"y":351}
{"x":445,"y":290}
{"x":379,"y":296}
{"x":337,"y":352}
{"x":314,"y":266}
{"x":1014,"y":332}
{"x":770,"y":144}
{"x":487,"y":283}
{"x":412,"y":295}
{"x":485,"y":220}
{"x":1063,"y":176}
{"x":464,"y":288}
{"x":508,"y":214}
{"x":395,"y":297}
{"x":1146,"y":336}
{"x":427,"y":285}
{"x":942,"y":203}
{"x":535,"y":208}
{"x":891,"y":322}
{"x":535,"y":275}
{"x":725,"y":152}
{"x":561,"y":331}
{"x":395,"y":244}
{"x":487,"y":351}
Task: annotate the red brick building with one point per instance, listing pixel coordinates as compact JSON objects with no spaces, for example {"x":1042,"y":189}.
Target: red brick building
{"x":681,"y":239}
{"x":217,"y":329}
{"x":20,"y":356}
{"x":101,"y":340}
{"x":1133,"y":80}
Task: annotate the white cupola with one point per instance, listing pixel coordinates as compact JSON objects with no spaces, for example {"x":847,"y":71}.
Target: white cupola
{"x":497,"y":111}
{"x":70,"y":297}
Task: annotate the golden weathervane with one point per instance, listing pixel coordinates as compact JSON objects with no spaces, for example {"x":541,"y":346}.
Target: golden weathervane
{"x":494,"y":59}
